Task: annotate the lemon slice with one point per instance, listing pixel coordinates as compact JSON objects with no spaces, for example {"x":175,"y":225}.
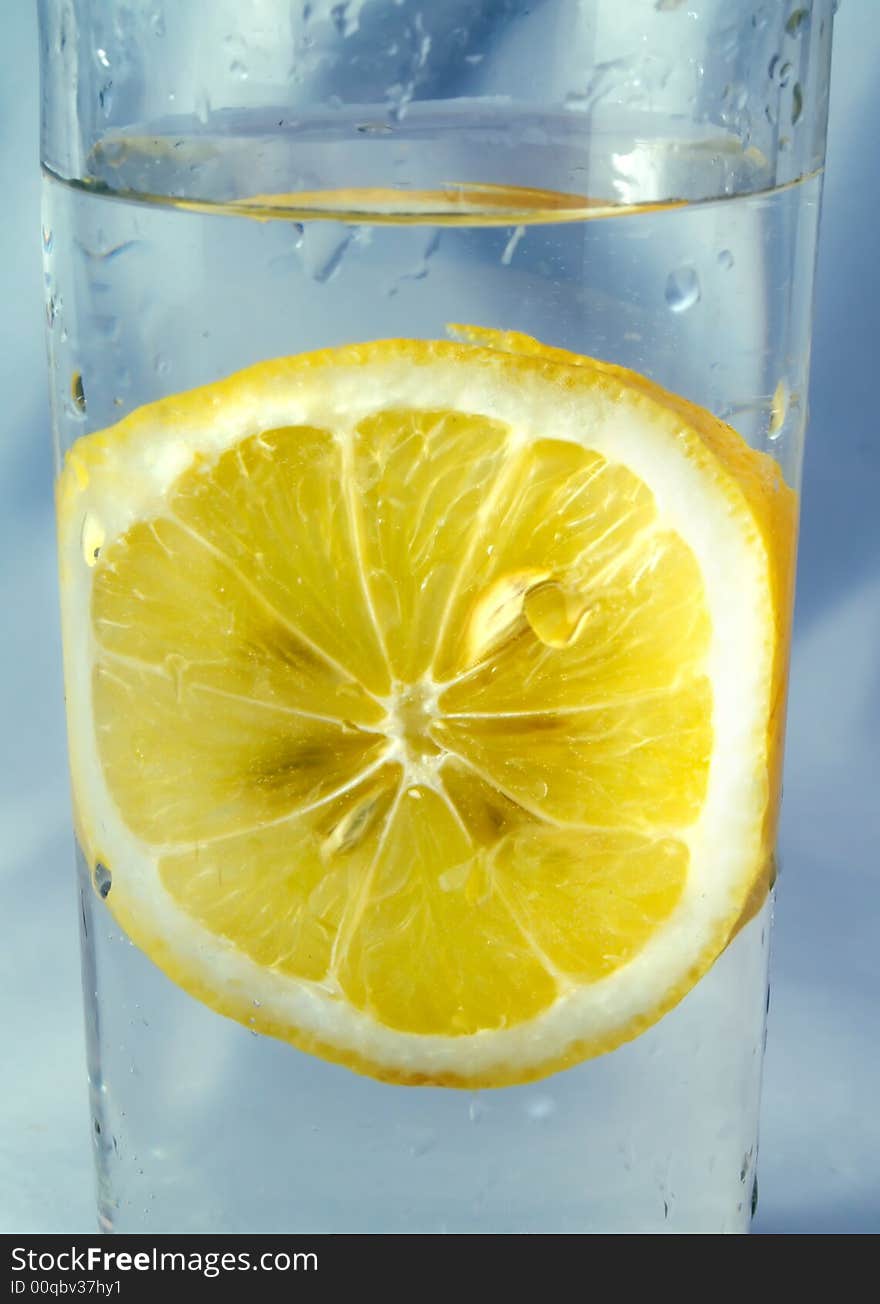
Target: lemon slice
{"x":424,"y":699}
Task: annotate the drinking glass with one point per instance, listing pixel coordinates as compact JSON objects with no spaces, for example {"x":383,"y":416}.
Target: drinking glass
{"x":243,"y":180}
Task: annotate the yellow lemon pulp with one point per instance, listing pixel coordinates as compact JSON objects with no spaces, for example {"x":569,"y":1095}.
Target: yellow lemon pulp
{"x":423,"y":697}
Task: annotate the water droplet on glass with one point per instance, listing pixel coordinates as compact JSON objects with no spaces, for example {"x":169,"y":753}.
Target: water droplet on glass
{"x":103,"y":880}
{"x":346,"y":18}
{"x":77,"y":392}
{"x":682,"y":289}
{"x":101,"y":56}
{"x":796,"y":21}
{"x":784,"y":74}
{"x":256,"y":1004}
{"x":735,"y":95}
{"x":106,"y":326}
{"x":476,"y":1109}
{"x":510,"y":247}
{"x":797,"y":103}
{"x":725,"y":259}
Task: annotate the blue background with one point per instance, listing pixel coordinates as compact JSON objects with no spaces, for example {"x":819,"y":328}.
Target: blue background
{"x":820,"y":1140}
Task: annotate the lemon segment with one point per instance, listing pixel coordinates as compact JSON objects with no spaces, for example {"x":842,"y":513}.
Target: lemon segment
{"x":424,"y":698}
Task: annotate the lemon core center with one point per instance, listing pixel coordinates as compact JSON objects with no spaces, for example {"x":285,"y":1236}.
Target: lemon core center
{"x":411,"y":712}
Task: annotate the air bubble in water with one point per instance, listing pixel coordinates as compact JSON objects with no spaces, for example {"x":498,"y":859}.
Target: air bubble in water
{"x":239,"y":69}
{"x":797,"y":103}
{"x":288,"y":255}
{"x":725,"y":259}
{"x":103,"y":880}
{"x":541,"y":1107}
{"x":476,"y":1109}
{"x":48,"y":239}
{"x":420,"y":271}
{"x":323,"y":249}
{"x":778,"y":409}
{"x":510,"y":247}
{"x":157,"y":24}
{"x":422,"y":1144}
{"x":101,"y":56}
{"x":682,"y":289}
